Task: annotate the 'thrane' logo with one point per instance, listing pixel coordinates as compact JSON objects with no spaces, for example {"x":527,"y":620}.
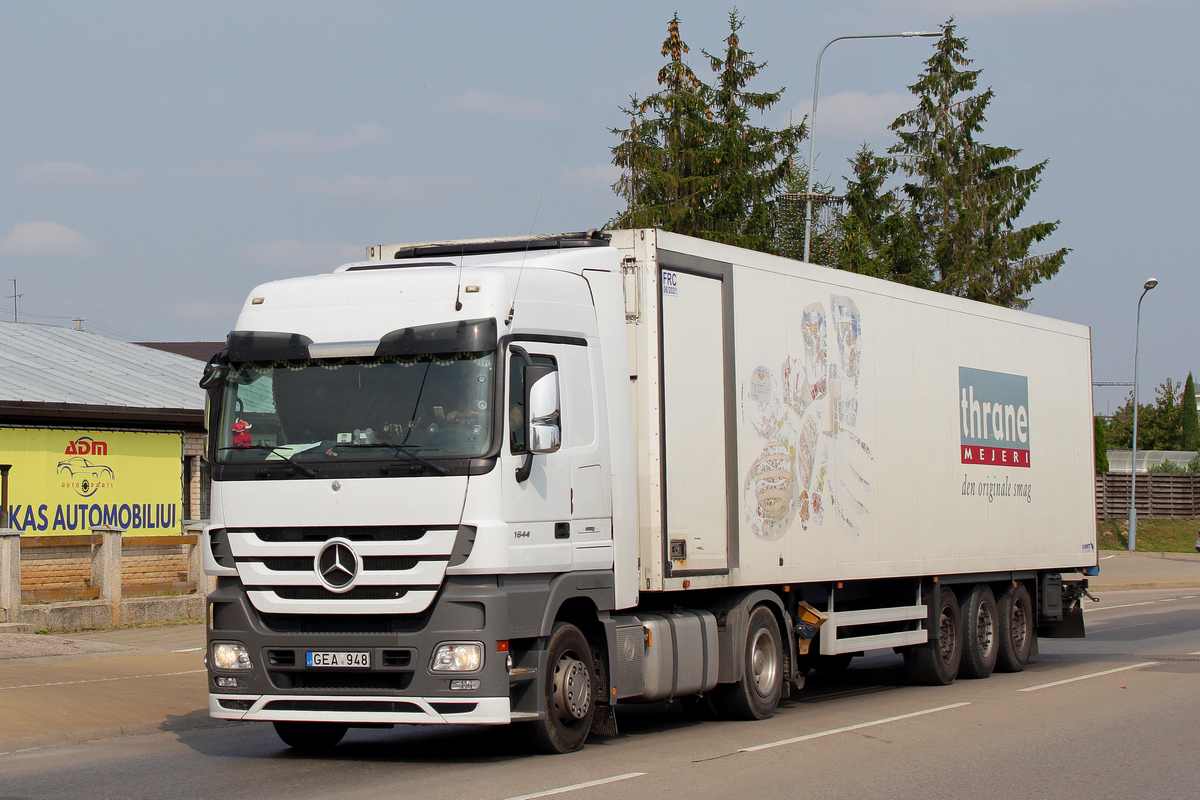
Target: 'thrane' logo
{"x":994,"y":418}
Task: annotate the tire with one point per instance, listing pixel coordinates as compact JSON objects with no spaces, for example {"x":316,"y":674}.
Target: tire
{"x":981,"y":633}
{"x":936,"y":662}
{"x":1014,"y":613}
{"x":310,"y":737}
{"x":756,"y":695}
{"x":569,"y":690}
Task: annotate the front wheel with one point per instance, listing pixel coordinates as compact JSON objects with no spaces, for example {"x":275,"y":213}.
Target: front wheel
{"x":568,"y":687}
{"x":757,"y":694}
{"x":310,"y":737}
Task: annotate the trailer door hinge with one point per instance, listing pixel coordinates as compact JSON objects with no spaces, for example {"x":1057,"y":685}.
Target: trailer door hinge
{"x":630,"y":272}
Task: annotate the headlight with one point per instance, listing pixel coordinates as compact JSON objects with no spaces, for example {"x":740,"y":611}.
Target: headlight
{"x":457,"y":657}
{"x":227,"y":655}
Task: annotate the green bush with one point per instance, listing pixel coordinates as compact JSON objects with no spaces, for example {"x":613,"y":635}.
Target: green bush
{"x":1194,"y":464}
{"x":1168,"y":466}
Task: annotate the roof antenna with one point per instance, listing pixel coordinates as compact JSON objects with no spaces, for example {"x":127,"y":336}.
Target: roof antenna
{"x":512,"y":308}
{"x":458,"y":283}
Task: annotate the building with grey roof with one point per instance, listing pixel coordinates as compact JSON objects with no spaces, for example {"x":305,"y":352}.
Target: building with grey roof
{"x":73,"y":380}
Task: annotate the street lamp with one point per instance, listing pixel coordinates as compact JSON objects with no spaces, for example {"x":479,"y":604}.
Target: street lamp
{"x":812,"y":120}
{"x":1150,"y":284}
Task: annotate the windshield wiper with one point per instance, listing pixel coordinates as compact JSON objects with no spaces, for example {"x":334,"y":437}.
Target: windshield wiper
{"x":400,"y":449}
{"x":275,"y":450}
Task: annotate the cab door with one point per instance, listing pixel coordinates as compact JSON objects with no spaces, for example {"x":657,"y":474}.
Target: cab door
{"x":538,"y":508}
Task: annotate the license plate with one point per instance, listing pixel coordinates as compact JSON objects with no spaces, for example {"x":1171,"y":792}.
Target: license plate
{"x":338,"y":658}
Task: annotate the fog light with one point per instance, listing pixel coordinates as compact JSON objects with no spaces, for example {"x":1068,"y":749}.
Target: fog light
{"x":227,"y":682}
{"x":457,"y":657}
{"x":459,"y":684}
{"x":227,"y":655}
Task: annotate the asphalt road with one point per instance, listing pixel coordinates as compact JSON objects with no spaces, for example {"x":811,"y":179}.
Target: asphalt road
{"x":1112,"y":716}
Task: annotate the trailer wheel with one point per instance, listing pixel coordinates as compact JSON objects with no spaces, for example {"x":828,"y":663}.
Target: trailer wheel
{"x":757,"y":694}
{"x":1015,"y":629}
{"x":936,"y":662}
{"x":568,"y":687}
{"x":981,"y":639}
{"x":310,"y":737}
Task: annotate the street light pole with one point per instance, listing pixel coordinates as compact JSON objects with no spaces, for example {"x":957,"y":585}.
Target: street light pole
{"x":1150,"y":284}
{"x":812,"y":119}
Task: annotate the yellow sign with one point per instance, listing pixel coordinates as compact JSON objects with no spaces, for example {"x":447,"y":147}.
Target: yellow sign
{"x":71,"y":481}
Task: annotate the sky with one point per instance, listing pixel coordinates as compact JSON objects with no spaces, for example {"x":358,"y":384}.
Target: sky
{"x":160,"y":159}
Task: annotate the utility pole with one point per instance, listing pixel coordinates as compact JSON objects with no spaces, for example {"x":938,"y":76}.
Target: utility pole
{"x":14,"y":297}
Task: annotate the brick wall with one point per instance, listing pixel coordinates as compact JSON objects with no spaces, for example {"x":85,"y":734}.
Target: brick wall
{"x":159,"y":564}
{"x":65,"y":566}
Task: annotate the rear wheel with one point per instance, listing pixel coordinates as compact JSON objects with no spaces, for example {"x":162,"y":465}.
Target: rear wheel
{"x":757,"y":694}
{"x":981,"y":641}
{"x":310,"y":737}
{"x":1015,"y":633}
{"x":936,"y":662}
{"x":568,"y":686}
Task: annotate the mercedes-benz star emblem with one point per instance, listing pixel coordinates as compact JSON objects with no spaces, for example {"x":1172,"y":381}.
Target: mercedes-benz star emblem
{"x":337,"y":565}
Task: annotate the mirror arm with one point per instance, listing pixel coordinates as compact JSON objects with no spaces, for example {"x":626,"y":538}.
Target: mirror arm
{"x":526,"y":467}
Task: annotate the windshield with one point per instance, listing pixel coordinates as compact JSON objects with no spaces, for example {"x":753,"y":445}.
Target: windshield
{"x":379,"y":407}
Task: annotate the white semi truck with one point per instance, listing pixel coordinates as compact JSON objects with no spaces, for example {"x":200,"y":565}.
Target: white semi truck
{"x":526,"y":480}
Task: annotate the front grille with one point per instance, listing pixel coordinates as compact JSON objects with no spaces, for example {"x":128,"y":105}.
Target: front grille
{"x":348,"y":680}
{"x":357,"y":593}
{"x":356,"y":706}
{"x":345,"y":623}
{"x":355,"y":533}
{"x":281,"y":658}
{"x":453,"y":708}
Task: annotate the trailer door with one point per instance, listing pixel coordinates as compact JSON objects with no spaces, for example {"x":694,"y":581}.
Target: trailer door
{"x":694,"y":422}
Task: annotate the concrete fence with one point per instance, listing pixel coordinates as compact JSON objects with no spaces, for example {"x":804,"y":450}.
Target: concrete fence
{"x":99,"y":579}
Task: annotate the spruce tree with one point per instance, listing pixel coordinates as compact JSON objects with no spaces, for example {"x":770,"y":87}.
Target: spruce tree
{"x":967,"y":194}
{"x":1190,"y":419}
{"x":691,"y":161}
{"x":879,"y":236}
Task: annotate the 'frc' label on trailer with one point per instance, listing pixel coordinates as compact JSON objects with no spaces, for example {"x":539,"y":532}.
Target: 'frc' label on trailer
{"x":994,"y":418}
{"x":670,"y":284}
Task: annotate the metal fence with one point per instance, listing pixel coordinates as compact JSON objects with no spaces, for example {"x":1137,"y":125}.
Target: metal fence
{"x":1158,"y":495}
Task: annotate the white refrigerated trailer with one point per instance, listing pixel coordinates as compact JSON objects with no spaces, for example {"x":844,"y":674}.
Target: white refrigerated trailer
{"x":527,"y":480}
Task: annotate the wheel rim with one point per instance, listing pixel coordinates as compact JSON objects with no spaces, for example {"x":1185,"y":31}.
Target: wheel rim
{"x":764,"y":662}
{"x":985,"y":627}
{"x":1018,"y":626}
{"x":572,"y":688}
{"x":947,"y":637}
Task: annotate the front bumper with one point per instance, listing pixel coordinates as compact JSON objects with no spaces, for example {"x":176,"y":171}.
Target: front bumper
{"x":359,"y":709}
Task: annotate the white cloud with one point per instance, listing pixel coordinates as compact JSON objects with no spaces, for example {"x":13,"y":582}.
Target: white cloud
{"x":404,"y":188}
{"x":300,"y":257}
{"x":230,"y":172}
{"x":490,"y":104}
{"x":1004,"y":8}
{"x":72,"y":174}
{"x":307,"y":142}
{"x":594,"y":177}
{"x":856,"y":115}
{"x":45,"y":239}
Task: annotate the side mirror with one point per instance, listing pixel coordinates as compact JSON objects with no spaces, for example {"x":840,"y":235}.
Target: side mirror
{"x":545,"y":435}
{"x":215,"y":371}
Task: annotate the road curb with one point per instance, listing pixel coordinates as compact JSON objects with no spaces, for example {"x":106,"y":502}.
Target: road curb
{"x":113,"y":732}
{"x":1142,"y":585}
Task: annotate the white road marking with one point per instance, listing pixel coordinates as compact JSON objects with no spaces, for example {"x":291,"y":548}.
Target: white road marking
{"x":102,"y":680}
{"x":1197,"y":653}
{"x":575,"y":786}
{"x":1189,"y":597}
{"x":859,"y":726}
{"x":1102,"y":558}
{"x":1127,"y":605}
{"x":1085,"y":677}
{"x":188,"y":650}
